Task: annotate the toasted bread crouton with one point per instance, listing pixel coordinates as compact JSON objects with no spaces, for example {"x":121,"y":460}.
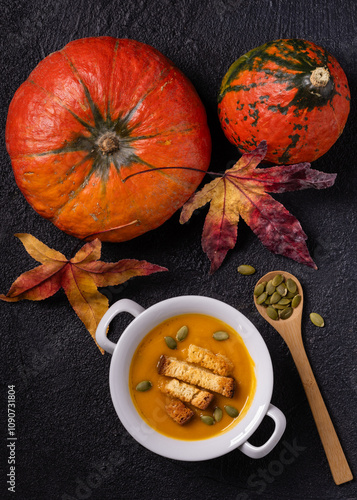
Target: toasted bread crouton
{"x":172,"y":367}
{"x":187,"y":393}
{"x":178,"y":411}
{"x":218,"y":363}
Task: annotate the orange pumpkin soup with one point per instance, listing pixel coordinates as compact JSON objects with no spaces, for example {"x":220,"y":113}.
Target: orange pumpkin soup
{"x":151,"y":403}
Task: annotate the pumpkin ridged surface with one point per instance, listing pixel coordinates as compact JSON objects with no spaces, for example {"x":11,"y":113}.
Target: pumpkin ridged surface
{"x":118,"y":96}
{"x":267,"y":94}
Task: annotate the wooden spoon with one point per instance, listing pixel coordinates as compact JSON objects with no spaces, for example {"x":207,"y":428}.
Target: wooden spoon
{"x":290,"y":330}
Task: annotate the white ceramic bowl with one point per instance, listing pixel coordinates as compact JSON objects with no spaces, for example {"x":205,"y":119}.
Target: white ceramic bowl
{"x":145,"y":320}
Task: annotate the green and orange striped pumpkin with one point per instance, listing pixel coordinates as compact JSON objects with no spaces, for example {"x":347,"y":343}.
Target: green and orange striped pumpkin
{"x":92,"y":114}
{"x":291,"y":93}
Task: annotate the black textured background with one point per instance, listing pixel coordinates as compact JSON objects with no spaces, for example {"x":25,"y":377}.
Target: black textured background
{"x":70,"y":443}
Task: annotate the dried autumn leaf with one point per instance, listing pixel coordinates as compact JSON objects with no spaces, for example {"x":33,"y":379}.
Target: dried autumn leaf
{"x":79,"y":277}
{"x":243,"y":191}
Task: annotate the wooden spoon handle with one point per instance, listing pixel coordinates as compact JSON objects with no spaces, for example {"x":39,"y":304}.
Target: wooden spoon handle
{"x":340,"y":470}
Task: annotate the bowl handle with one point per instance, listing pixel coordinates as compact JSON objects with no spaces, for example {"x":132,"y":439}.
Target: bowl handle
{"x":260,"y":451}
{"x":123,"y":305}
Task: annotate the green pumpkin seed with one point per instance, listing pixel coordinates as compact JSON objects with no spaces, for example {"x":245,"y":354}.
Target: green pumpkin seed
{"x":317,"y":320}
{"x":262,"y":298}
{"x":259,"y":289}
{"x":143,"y":386}
{"x":282,"y":289}
{"x":182,"y":333}
{"x":286,"y":313}
{"x":272,"y":313}
{"x":217,"y":414}
{"x":232,"y":412}
{"x":291,"y":285}
{"x":279,"y":306}
{"x":274,"y":299}
{"x":278,"y":278}
{"x":246,"y":270}
{"x":206,"y":419}
{"x":291,"y":295}
{"x":296,"y":301}
{"x":170,"y":342}
{"x":220,"y":335}
{"x":270,"y":289}
{"x":267,"y":301}
{"x":284,"y":301}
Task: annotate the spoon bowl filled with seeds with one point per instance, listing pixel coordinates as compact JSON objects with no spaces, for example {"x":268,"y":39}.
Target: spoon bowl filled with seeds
{"x":279,"y":299}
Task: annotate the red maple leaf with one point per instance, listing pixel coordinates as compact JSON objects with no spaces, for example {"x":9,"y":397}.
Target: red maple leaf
{"x":242,"y":191}
{"x":79,"y":277}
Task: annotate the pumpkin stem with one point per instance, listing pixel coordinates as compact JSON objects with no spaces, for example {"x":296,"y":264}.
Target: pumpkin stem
{"x":320,"y":77}
{"x":108,"y":143}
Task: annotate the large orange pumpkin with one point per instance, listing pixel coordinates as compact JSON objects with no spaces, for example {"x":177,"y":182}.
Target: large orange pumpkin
{"x":291,"y":93}
{"x":92,"y":114}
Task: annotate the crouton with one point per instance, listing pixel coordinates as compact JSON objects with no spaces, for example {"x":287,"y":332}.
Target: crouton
{"x":218,"y":363}
{"x":178,"y":411}
{"x":187,"y":393}
{"x":172,"y":367}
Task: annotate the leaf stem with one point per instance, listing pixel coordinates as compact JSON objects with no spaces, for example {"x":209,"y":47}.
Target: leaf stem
{"x":136,"y":221}
{"x":171,"y":168}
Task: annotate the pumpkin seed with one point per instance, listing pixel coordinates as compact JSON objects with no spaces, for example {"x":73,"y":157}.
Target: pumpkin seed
{"x":317,"y":320}
{"x":291,"y":295}
{"x":206,"y":419}
{"x":143,"y":386}
{"x":262,"y":298}
{"x":279,"y":306}
{"x":182,"y":333}
{"x":232,"y":412}
{"x":291,"y":285}
{"x":296,"y":301}
{"x":170,"y":342}
{"x":282,"y":289}
{"x":246,"y":270}
{"x":220,"y":335}
{"x":284,"y":302}
{"x":278,"y":278}
{"x":272,"y":313}
{"x":274,"y":299}
{"x":267,"y":301}
{"x":286,"y":313}
{"x":270,"y":289}
{"x":217,"y":414}
{"x":259,"y":289}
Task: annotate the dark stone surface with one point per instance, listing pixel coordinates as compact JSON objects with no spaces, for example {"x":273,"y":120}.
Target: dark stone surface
{"x":66,"y":426}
